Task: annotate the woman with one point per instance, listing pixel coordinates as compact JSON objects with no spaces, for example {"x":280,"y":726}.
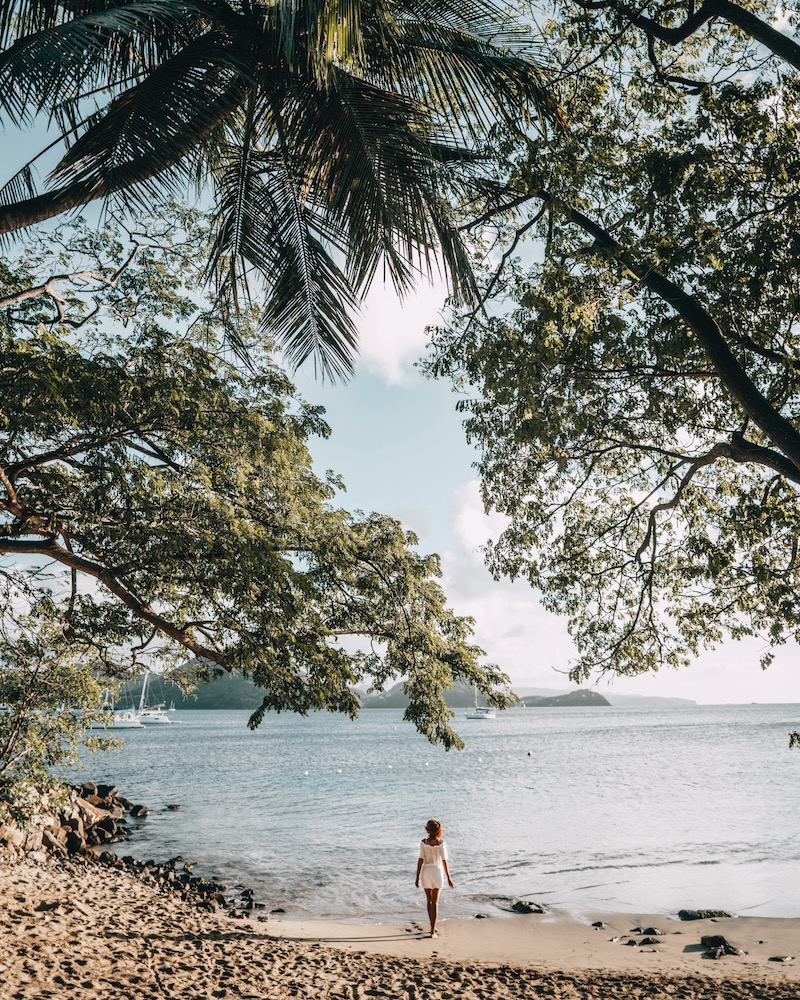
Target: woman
{"x":432,"y":867}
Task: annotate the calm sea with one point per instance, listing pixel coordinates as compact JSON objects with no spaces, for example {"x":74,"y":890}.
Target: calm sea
{"x":607,"y":808}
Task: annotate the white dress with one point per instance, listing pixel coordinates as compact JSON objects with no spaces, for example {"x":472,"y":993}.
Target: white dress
{"x":432,"y":872}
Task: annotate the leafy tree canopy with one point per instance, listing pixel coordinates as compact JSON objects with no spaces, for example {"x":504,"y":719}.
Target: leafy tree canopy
{"x":161,"y":496}
{"x":329,"y":134}
{"x":634,"y":378}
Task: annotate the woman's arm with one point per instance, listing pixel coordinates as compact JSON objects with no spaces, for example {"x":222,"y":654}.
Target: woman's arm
{"x":419,"y":868}
{"x":447,"y":873}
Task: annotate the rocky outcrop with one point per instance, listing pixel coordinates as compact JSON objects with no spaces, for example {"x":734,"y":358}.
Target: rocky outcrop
{"x":77,"y":821}
{"x":572,"y":699}
{"x":527,"y":906}
{"x":718,"y":946}
{"x":702,"y":914}
{"x":76,"y":826}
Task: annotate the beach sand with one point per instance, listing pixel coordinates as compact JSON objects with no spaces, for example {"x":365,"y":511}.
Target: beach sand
{"x":77,"y":930}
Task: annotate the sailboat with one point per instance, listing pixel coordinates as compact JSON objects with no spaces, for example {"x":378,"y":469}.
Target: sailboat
{"x":479,"y":711}
{"x":151,"y":715}
{"x":125,"y":718}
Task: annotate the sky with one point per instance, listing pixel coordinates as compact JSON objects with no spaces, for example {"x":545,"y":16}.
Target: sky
{"x":398,"y":443}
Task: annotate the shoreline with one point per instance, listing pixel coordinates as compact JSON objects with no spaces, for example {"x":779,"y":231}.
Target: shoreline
{"x":79,"y":929}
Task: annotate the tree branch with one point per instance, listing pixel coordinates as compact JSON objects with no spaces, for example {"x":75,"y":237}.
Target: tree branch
{"x":52,"y":550}
{"x":753,"y":402}
{"x":779,"y":44}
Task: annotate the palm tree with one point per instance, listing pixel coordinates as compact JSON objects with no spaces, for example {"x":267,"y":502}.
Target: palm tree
{"x":331,"y":132}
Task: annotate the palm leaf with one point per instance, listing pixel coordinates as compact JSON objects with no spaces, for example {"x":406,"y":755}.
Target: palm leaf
{"x":309,"y":301}
{"x":366,"y":158}
{"x":468,"y":80}
{"x":51,"y":67}
{"x":152,"y":126}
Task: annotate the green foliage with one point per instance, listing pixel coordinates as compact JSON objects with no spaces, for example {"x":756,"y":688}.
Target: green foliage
{"x":329,"y":134}
{"x":163,"y":496}
{"x":40,"y":684}
{"x":634,"y":382}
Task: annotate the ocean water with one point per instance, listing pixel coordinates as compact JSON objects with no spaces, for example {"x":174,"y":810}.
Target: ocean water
{"x":586,"y":808}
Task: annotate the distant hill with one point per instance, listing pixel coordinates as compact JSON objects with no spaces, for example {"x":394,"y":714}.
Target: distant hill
{"x":614,"y":699}
{"x":459,"y":696}
{"x":224,"y":692}
{"x":580,"y":698}
{"x":646,"y":701}
{"x":239,"y":692}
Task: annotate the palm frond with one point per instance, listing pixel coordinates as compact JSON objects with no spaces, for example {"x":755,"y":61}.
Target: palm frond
{"x":480,"y":18}
{"x":464,"y":78}
{"x":367,"y":159}
{"x":23,"y":17}
{"x":152,"y":126}
{"x":20,"y":187}
{"x":48,"y":68}
{"x":310,"y":301}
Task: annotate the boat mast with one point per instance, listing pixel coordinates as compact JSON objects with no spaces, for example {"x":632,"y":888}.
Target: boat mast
{"x":144,"y":690}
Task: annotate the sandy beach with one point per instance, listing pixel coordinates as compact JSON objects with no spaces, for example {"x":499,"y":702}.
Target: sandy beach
{"x":74,"y":929}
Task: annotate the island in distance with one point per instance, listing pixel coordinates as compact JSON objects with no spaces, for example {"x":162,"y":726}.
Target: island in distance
{"x":229,"y":692}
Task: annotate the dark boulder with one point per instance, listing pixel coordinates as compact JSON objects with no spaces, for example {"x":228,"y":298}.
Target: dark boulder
{"x":138,"y":811}
{"x":702,"y":914}
{"x":717,"y":946}
{"x":524,"y":906}
{"x":75,"y":842}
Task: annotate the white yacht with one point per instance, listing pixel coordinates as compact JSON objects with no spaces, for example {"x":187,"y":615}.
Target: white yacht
{"x":124,"y":718}
{"x":480,"y":711}
{"x":151,"y":715}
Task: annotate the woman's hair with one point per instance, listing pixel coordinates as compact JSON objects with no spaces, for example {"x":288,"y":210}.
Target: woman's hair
{"x":434,"y":828}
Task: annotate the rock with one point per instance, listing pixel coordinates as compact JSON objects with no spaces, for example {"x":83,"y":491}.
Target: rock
{"x":652,"y":930}
{"x":522,"y":906}
{"x":174,"y":806}
{"x":52,"y":843}
{"x":87,"y":788}
{"x":107,"y":824}
{"x":74,"y":823}
{"x":632,"y":943}
{"x":106,"y":791}
{"x":598,"y":924}
{"x":38,"y":856}
{"x":717,"y":946}
{"x":701,"y":914}
{"x":138,"y":811}
{"x":13,"y":835}
{"x":481,"y":916}
{"x":649,"y":940}
{"x":33,"y":841}
{"x":781,"y":958}
{"x":75,"y":842}
{"x":278,"y":909}
{"x":44,"y":906}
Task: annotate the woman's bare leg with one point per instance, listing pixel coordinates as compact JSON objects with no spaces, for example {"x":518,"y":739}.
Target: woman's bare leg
{"x":432,"y":900}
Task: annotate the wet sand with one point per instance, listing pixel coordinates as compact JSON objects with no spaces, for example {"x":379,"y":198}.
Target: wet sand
{"x":72,"y":930}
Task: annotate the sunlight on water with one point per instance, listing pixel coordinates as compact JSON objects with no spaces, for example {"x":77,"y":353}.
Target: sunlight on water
{"x":587,"y":808}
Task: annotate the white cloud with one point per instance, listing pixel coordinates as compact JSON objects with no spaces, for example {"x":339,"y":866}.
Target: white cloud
{"x":392,"y":332}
